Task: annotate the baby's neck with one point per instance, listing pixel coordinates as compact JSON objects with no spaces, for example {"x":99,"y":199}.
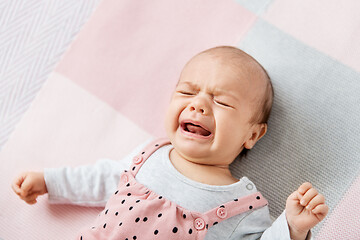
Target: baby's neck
{"x":207,"y":174}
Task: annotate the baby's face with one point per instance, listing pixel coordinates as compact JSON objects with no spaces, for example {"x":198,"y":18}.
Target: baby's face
{"x":209,"y":117}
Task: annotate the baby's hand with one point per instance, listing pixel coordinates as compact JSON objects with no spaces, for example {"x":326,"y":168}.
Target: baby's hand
{"x":29,"y":185}
{"x":304,"y":209}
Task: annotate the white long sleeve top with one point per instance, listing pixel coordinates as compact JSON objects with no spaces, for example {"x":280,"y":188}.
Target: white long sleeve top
{"x":92,"y":185}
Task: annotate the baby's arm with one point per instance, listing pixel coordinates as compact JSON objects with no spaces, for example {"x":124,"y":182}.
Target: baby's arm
{"x":304,"y":209}
{"x":88,"y":185}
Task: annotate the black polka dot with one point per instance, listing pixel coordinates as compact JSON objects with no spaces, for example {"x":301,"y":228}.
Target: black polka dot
{"x":130,"y":208}
{"x":222,"y":206}
{"x":128,"y":185}
{"x":190,"y":231}
{"x":156,"y":232}
{"x":156,"y":145}
{"x":145,"y":219}
{"x":120,"y":224}
{"x":133,"y":168}
{"x":160,"y":197}
{"x":175,"y":229}
{"x":147,"y":192}
{"x":116,"y":213}
{"x":125,"y":171}
{"x":215,"y":223}
{"x":129,"y":194}
{"x":160,"y":214}
{"x":207,"y":226}
{"x":236,"y":199}
{"x":137,"y":219}
{"x":137,"y":201}
{"x":143,"y":153}
{"x":81,"y":238}
{"x":106,"y":211}
{"x":134,"y":237}
{"x":104,"y":225}
{"x":116,"y":192}
{"x":250,"y":207}
{"x":184,"y":216}
{"x":258,"y":197}
{"x":122,"y":202}
{"x":126,"y":239}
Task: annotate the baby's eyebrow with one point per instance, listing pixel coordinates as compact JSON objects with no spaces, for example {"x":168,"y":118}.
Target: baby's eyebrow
{"x":189,"y":84}
{"x":216,"y":91}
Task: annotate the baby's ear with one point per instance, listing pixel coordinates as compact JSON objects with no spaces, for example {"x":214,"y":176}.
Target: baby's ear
{"x":257,"y":132}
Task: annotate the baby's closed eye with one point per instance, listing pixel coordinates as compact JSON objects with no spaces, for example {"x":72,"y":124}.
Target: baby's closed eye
{"x":220,"y":102}
{"x":183,"y":92}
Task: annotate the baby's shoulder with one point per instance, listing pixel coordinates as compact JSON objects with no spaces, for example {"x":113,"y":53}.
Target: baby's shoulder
{"x":249,"y":185}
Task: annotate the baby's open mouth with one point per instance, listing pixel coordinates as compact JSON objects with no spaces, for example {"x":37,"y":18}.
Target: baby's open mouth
{"x":196,"y":129}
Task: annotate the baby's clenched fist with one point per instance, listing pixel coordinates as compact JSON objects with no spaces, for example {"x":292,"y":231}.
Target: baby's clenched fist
{"x":304,"y":209}
{"x":29,"y":185}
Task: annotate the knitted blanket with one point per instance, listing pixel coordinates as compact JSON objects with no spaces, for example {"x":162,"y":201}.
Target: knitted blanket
{"x":109,"y":91}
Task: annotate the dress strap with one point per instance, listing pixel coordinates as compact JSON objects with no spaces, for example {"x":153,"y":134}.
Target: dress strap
{"x":235,"y":207}
{"x":140,"y":158}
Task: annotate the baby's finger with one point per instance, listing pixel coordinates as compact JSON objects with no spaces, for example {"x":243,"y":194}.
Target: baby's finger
{"x":304,"y":188}
{"x":29,"y":198}
{"x":26,"y":187}
{"x":294,"y":196}
{"x":16,"y":184}
{"x":31,"y":202}
{"x":318,"y":199}
{"x":321,"y":211}
{"x":310,"y":194}
{"x":16,"y":188}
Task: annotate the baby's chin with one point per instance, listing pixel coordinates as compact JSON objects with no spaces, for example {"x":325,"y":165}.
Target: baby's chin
{"x":192,"y":149}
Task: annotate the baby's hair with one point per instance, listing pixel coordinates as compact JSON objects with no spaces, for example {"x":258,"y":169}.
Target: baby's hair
{"x":239,"y":58}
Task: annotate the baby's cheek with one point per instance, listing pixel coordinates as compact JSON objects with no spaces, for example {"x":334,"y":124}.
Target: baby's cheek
{"x":168,"y":126}
{"x":171,"y":122}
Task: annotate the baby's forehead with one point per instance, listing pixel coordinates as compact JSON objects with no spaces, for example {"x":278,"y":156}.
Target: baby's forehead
{"x":232,"y":58}
{"x":237,"y":60}
{"x":239,"y":76}
{"x":237,"y":64}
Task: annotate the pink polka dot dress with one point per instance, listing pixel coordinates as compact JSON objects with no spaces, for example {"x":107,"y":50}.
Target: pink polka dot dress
{"x":136,"y":212}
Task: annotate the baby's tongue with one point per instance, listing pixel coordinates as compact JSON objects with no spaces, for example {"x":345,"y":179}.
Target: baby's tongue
{"x":197,"y":130}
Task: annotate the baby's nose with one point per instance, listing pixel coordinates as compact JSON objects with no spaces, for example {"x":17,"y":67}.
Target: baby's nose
{"x":197,"y":109}
{"x":200,"y":105}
